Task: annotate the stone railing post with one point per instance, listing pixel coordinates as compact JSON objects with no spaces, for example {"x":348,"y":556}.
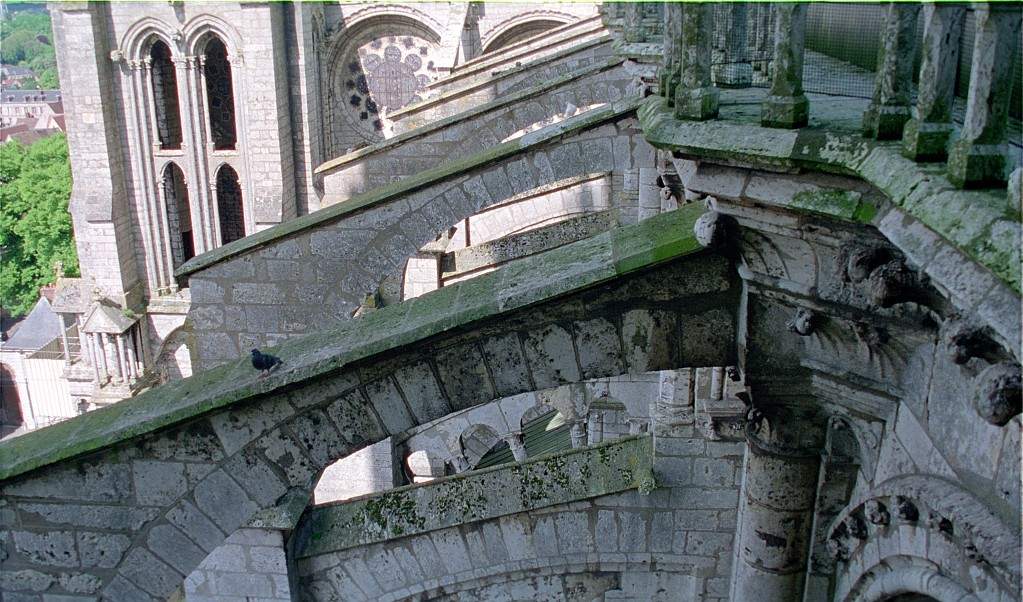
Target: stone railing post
{"x":737,"y":71}
{"x":776,"y":505}
{"x":978,"y":157}
{"x":889,"y":107}
{"x":632,"y":22}
{"x":696,"y":98}
{"x":786,"y":105}
{"x":925,"y":136}
{"x":668,"y":79}
{"x":518,"y":449}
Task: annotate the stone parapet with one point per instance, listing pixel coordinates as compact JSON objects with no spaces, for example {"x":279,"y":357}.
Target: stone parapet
{"x":539,"y":482}
{"x":980,"y":224}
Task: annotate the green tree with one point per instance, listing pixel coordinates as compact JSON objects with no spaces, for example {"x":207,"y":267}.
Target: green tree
{"x":26,"y":40}
{"x":35,"y":226}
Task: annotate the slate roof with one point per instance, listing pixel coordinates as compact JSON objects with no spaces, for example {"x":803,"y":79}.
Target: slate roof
{"x":37,"y":330}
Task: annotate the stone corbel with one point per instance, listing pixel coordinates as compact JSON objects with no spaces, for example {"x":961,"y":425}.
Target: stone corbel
{"x":996,"y":393}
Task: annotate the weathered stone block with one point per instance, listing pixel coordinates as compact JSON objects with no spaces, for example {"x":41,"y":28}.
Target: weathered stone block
{"x":224,"y":501}
{"x":464,"y":375}
{"x":551,"y":355}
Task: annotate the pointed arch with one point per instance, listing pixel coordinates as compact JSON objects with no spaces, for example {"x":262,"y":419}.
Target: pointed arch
{"x":164,"y":82}
{"x":230,"y":208}
{"x":179,"y":214}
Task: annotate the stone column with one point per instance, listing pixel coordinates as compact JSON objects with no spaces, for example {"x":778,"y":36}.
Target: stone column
{"x":578,"y":433}
{"x":978,"y":157}
{"x":518,"y":450}
{"x":717,"y":383}
{"x":122,"y":357}
{"x":776,"y":505}
{"x":632,"y":22}
{"x":736,"y":72}
{"x":925,"y":135}
{"x":696,"y":98}
{"x":668,"y":80}
{"x":786,"y":105}
{"x":889,"y":108}
{"x":762,"y":40}
{"x":64,"y":340}
{"x":89,"y":344}
{"x":595,"y":428}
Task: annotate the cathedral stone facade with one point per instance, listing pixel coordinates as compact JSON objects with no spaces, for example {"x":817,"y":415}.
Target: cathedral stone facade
{"x":642,"y":301}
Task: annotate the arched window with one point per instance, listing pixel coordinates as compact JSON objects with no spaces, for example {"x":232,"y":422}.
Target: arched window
{"x":229,"y":205}
{"x":10,"y":409}
{"x":165,"y":97}
{"x":179,"y":216}
{"x":219,"y":95}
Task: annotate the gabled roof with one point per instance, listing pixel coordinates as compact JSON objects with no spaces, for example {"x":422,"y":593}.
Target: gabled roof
{"x":37,"y":330}
{"x":107,"y":318}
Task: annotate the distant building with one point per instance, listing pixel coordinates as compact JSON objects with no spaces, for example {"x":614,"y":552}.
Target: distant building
{"x":28,"y":115}
{"x":32,"y":362}
{"x":16,"y":105}
{"x":11,"y":76}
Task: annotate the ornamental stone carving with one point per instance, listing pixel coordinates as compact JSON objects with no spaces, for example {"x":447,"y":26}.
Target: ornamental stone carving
{"x":996,"y":393}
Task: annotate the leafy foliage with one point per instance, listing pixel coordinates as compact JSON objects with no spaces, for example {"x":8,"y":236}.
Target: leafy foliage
{"x":35,"y":226}
{"x":26,"y":40}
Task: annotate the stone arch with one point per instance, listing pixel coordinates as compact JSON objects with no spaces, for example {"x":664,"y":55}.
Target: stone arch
{"x":232,"y":445}
{"x":174,"y":357}
{"x":178,"y":214}
{"x":221,"y":108}
{"x":10,"y":401}
{"x":534,"y":413}
{"x":381,"y":61}
{"x":965,"y":546}
{"x":538,"y":551}
{"x":136,"y":40}
{"x":164,"y":82}
{"x":230,"y":206}
{"x":392,"y":11}
{"x":885,"y":583}
{"x":198,"y":32}
{"x":519,"y":28}
{"x":358,"y":249}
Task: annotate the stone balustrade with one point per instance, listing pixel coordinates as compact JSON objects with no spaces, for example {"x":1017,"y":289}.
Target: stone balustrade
{"x":977,"y":158}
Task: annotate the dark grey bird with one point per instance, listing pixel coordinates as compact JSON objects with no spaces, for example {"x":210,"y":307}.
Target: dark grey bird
{"x":264,"y":362}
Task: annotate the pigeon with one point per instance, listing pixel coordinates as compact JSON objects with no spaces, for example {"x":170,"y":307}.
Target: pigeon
{"x":264,"y":362}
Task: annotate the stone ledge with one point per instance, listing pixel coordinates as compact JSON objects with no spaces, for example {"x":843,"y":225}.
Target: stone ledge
{"x":980,"y":223}
{"x":385,"y":193}
{"x":579,"y":474}
{"x":542,"y":277}
{"x":498,"y":75}
{"x":425,"y":130}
